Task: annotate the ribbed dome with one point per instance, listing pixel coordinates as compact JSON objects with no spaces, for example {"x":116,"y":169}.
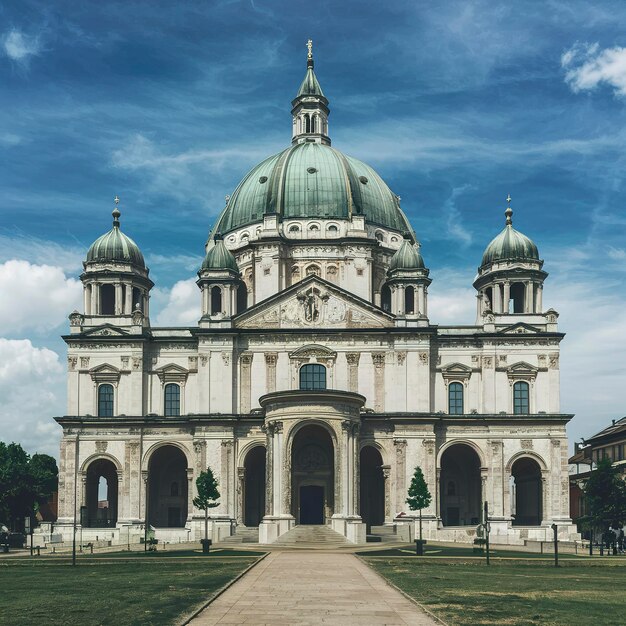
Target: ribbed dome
{"x":510,"y":245}
{"x":219,"y":257}
{"x":312,"y":180}
{"x":115,"y":246}
{"x":407,"y":257}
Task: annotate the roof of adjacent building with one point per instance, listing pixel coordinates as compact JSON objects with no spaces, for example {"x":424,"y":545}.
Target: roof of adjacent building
{"x":115,"y":246}
{"x":312,"y":180}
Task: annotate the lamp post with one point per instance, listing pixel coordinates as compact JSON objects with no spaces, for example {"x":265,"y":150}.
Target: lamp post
{"x":487,"y":528}
{"x":555,"y":529}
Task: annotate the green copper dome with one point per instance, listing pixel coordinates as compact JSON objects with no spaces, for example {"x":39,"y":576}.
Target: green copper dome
{"x":219,"y":257}
{"x":312,"y":180}
{"x":115,"y":246}
{"x":510,"y":245}
{"x":407,"y":257}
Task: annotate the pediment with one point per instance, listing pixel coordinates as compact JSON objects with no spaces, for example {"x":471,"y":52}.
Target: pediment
{"x":313,"y":350}
{"x":521,"y":368}
{"x":520,"y":329}
{"x":105,"y":373}
{"x":172,"y":372}
{"x":106,"y":330}
{"x":456,"y":370}
{"x":314,"y":303}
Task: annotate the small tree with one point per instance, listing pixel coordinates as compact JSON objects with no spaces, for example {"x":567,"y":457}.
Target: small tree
{"x":605,"y":497}
{"x":419,"y":496}
{"x":206,"y":499}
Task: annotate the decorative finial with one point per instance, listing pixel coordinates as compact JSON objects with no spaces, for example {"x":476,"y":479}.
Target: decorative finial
{"x":227,"y":198}
{"x":309,"y":56}
{"x":116,"y":213}
{"x":509,"y":211}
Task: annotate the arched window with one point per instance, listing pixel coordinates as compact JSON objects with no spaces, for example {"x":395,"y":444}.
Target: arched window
{"x":216,"y":300}
{"x":105,"y":400}
{"x":242,"y":298}
{"x":313,"y":120}
{"x":107,"y":300}
{"x":172,"y":400}
{"x":137,"y":300}
{"x":409,"y":300}
{"x":521,"y":402}
{"x":313,"y":269}
{"x":294,"y":228}
{"x":455,"y":399}
{"x":379,"y":236}
{"x":307,"y":123}
{"x":516,"y":303}
{"x":313,"y":376}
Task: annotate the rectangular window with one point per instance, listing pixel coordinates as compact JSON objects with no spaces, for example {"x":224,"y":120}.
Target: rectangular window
{"x":105,"y":400}
{"x":521,"y":404}
{"x":172,"y":400}
{"x":455,"y":399}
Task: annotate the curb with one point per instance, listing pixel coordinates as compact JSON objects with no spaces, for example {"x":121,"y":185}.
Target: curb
{"x":406,"y":595}
{"x":187,"y":619}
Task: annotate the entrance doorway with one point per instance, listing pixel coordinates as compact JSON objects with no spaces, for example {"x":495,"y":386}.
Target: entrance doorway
{"x":254,"y":491}
{"x":312,"y":475}
{"x":311,"y":504}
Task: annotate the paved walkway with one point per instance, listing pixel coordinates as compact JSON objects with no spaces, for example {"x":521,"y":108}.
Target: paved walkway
{"x":312,"y":588}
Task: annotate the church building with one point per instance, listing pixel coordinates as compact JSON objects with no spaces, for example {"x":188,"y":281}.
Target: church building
{"x":314,"y":381}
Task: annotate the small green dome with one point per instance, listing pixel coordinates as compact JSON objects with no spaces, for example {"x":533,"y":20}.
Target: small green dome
{"x":115,"y":246}
{"x":312,"y":180}
{"x":219,"y":257}
{"x":407,"y":257}
{"x":510,"y":245}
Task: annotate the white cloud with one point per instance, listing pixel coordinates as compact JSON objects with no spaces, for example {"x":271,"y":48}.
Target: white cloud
{"x":35,"y":297}
{"x":19,"y":47}
{"x":180,"y":306}
{"x":16,"y":245}
{"x":32,"y":388}
{"x":587,"y":66}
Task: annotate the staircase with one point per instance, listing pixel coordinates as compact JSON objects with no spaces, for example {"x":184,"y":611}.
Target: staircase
{"x":383,"y":534}
{"x":243,"y":534}
{"x":312,"y":538}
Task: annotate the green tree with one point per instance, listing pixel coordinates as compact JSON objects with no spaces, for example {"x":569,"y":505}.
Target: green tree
{"x":419,"y":496}
{"x":25,"y":483}
{"x":605,"y":497}
{"x":207,"y":497}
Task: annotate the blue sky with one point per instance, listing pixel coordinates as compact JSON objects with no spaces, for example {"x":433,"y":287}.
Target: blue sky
{"x":168,"y":105}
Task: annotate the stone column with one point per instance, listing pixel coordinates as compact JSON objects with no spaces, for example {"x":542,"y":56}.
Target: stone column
{"x":437,"y":493}
{"x":95,"y":290}
{"x":544,"y":497}
{"x":87,"y":299}
{"x":507,"y":296}
{"x":245,"y":381}
{"x":378,"y":358}
{"x":421,"y":299}
{"x":241,"y":494}
{"x":430,"y":471}
{"x":205,"y":300}
{"x":128,"y":306}
{"x":539,"y":302}
{"x":529,"y":298}
{"x":400,"y":445}
{"x":269,"y":468}
{"x":353,"y":370}
{"x":190,"y":492}
{"x":497,"y":298}
{"x":118,"y":299}
{"x":386,"y":474}
{"x":416,"y":304}
{"x":228,"y":481}
{"x":343,"y":463}
{"x":496,"y":499}
{"x":270,"y":371}
{"x":144,"y":504}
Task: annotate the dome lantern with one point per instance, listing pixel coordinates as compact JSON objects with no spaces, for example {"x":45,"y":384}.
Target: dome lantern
{"x":510,"y":277}
{"x":115,"y":280}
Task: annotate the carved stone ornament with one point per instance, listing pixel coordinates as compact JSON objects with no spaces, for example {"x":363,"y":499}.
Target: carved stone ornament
{"x":378,"y":358}
{"x":204,"y":360}
{"x":192,"y":362}
{"x":554,"y":361}
{"x":487,"y":362}
{"x":228,"y":443}
{"x":101,"y":447}
{"x":76,"y":319}
{"x":137,"y":363}
{"x":72,"y":362}
{"x":246,"y":358}
{"x":556,"y":443}
{"x":137,"y":317}
{"x":125,"y":360}
{"x":84,"y":362}
{"x":527,"y":444}
{"x":198,"y":446}
{"x":353,"y":358}
{"x":271,"y":358}
{"x":401,"y":356}
{"x":429,"y":444}
{"x":225,"y":358}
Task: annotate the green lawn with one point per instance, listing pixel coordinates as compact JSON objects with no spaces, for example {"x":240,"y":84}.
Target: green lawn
{"x":516,"y":593}
{"x":116,"y":591}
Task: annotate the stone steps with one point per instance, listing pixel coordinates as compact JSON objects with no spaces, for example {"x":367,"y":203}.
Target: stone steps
{"x":243,"y":534}
{"x":312,"y":536}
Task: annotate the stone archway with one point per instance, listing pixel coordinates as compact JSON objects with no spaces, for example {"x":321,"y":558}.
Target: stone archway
{"x":312,"y":475}
{"x":254,"y":486}
{"x":528,"y":510}
{"x":102,"y":494}
{"x":167,"y":487}
{"x":460,"y":486}
{"x":372,"y":488}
